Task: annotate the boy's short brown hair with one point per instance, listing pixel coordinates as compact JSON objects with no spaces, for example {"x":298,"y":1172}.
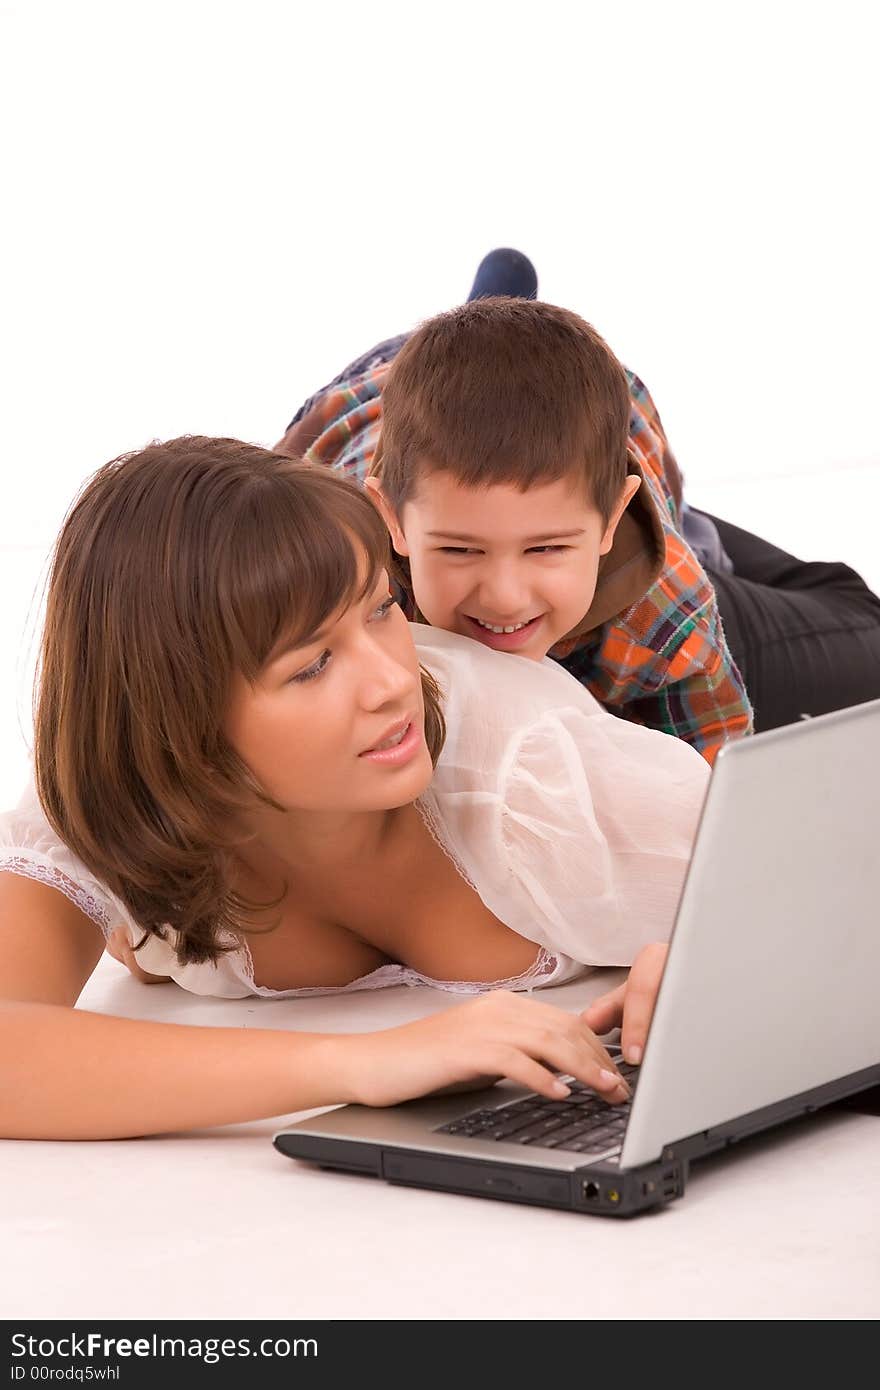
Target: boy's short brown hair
{"x":505,"y":391}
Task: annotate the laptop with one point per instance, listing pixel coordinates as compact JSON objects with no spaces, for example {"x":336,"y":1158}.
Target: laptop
{"x":778,"y":916}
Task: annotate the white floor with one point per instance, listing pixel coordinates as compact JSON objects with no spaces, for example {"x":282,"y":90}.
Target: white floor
{"x":220,"y":1225}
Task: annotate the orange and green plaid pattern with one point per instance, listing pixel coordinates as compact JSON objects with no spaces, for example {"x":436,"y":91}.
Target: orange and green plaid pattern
{"x":664,"y":662}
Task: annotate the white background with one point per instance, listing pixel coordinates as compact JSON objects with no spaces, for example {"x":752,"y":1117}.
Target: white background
{"x":210,"y":207}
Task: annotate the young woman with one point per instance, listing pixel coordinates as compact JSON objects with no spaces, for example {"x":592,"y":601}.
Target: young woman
{"x":257,"y":778}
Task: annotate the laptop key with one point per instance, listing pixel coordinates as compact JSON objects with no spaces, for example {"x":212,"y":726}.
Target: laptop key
{"x":589,"y":1145}
{"x":589,"y":1104}
{"x":560,"y":1137}
{"x":601,"y":1133}
{"x":583,"y":1117}
{"x":515,"y":1123}
{"x":533,"y":1132}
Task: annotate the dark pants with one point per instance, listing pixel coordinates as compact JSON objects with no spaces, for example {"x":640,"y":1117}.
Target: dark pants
{"x":804,"y":634}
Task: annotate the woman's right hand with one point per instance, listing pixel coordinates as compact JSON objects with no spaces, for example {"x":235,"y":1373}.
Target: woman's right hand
{"x":498,"y":1034}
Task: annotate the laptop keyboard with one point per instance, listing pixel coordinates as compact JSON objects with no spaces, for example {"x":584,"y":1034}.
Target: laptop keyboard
{"x":583,"y":1122}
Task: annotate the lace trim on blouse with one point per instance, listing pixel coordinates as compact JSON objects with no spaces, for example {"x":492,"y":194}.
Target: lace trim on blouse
{"x":384,"y":976}
{"x":241,"y":960}
{"x":47,"y":873}
{"x":434,"y":825}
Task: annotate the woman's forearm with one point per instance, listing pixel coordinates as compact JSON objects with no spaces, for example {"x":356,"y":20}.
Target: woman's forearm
{"x":69,"y":1074}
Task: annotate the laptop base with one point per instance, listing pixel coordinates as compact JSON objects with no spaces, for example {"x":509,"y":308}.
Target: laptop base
{"x":596,"y":1190}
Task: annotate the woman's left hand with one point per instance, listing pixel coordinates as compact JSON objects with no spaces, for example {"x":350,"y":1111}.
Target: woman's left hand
{"x":630,"y":1007}
{"x":120,"y":948}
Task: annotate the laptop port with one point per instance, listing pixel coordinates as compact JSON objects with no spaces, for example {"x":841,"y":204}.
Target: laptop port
{"x":591,"y":1191}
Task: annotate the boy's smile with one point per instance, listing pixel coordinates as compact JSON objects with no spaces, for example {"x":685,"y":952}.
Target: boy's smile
{"x":514,"y":570}
{"x":505,"y":637}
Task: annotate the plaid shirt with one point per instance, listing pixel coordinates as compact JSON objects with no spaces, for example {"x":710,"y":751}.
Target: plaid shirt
{"x":662,"y":661}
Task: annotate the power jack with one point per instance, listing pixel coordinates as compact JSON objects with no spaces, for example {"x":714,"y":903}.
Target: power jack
{"x":591,"y":1191}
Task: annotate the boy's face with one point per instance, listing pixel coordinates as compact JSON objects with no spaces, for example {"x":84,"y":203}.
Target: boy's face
{"x":490,"y":558}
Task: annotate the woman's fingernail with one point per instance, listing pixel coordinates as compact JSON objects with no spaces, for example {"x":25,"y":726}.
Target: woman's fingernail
{"x":561,"y":1090}
{"x":634,"y":1054}
{"x":609,"y":1078}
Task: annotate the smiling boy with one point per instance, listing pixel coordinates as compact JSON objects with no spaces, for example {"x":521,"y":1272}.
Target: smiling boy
{"x":517,"y":578}
{"x":528,"y":486}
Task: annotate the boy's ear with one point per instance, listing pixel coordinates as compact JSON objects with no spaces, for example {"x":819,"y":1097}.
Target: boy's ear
{"x":628,"y":492}
{"x":389,"y":515}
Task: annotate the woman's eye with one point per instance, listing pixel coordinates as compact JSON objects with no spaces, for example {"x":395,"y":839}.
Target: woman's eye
{"x":385,"y":608}
{"x":312,"y":671}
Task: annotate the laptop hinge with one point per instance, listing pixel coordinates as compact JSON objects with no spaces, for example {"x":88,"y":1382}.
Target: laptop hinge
{"x":721,"y":1136}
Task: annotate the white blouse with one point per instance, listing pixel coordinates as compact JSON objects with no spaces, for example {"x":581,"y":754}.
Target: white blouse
{"x":573,"y":826}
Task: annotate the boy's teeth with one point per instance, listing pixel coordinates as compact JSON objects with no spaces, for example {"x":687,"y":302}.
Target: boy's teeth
{"x":490,"y":627}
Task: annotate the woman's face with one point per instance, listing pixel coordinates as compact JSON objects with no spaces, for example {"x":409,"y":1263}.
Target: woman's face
{"x":307,"y":725}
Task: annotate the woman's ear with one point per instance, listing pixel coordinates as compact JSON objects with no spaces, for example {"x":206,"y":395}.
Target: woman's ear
{"x":389,"y":515}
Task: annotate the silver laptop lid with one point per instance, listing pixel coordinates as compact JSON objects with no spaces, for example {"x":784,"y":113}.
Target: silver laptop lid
{"x":772,"y":984}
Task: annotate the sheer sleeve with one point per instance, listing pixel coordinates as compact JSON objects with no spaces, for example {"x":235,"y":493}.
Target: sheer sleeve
{"x":574,"y":826}
{"x":30,"y":847}
{"x":596,"y":820}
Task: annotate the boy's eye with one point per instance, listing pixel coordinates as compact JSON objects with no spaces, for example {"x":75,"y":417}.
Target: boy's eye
{"x":533,"y":550}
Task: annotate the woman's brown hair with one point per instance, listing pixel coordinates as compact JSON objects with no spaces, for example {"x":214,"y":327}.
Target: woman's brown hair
{"x":176,"y":567}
